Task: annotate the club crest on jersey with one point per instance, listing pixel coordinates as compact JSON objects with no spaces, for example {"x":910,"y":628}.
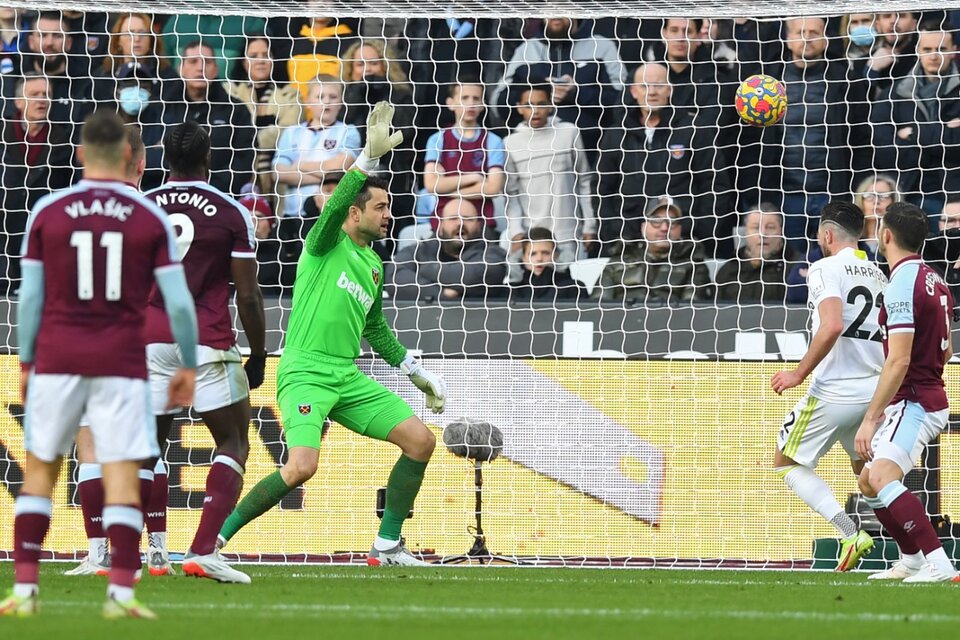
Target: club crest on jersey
{"x":305,"y":409}
{"x":676,"y":151}
{"x":329,"y":144}
{"x":376,"y":277}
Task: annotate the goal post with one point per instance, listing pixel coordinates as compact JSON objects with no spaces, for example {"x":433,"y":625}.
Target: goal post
{"x":638,"y":426}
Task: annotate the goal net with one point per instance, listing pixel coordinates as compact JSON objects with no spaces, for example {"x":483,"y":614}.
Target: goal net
{"x":588,"y":243}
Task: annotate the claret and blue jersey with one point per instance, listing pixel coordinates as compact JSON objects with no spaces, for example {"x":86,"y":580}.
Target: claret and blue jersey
{"x":918,"y":301}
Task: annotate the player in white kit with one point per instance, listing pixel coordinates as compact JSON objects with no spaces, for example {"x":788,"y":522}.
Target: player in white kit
{"x":845,"y":357}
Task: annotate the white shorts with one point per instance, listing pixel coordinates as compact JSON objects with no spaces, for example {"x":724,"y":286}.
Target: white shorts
{"x":905,"y":431}
{"x":221,"y":380}
{"x":814,"y":426}
{"x":117,"y":409}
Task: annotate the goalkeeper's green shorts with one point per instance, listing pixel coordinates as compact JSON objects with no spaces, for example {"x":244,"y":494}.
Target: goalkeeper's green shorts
{"x":310,"y":388}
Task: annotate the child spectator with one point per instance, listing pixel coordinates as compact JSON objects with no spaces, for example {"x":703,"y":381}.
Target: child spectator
{"x":541,"y":281}
{"x":548,"y":177}
{"x":465,"y":160}
{"x":308,"y":151}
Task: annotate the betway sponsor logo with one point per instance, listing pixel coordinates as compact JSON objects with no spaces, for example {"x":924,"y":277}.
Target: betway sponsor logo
{"x":355,"y":290}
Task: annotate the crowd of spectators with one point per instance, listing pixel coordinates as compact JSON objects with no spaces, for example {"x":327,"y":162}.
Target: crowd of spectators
{"x":529,"y":145}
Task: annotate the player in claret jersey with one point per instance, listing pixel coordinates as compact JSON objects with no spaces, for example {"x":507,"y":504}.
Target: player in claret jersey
{"x":216,"y":244}
{"x":89,"y":473}
{"x":90,"y":257}
{"x":909,"y":407}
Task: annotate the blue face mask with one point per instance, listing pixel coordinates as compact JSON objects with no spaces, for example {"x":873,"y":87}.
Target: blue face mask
{"x":133,"y":100}
{"x":862,"y":35}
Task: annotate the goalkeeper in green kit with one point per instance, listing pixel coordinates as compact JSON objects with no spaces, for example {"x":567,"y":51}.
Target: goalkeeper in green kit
{"x":337,"y":299}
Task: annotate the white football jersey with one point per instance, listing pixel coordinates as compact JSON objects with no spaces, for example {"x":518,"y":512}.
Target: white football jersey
{"x":848,"y":375}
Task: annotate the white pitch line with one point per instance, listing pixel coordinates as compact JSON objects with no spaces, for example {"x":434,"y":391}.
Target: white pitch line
{"x":641,"y":579}
{"x":420,"y":611}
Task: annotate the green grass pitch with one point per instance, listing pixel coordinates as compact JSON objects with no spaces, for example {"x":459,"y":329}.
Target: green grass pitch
{"x":498,"y":603}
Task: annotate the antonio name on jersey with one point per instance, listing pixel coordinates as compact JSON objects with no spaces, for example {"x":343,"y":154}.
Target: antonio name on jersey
{"x":212,"y":229}
{"x":192,"y":199}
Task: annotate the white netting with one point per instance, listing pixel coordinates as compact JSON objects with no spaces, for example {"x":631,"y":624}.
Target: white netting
{"x":634,"y":399}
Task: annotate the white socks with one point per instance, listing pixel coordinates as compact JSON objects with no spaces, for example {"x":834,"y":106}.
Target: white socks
{"x":940,"y":560}
{"x":157,"y":541}
{"x":382,"y":544}
{"x":811,"y":488}
{"x":120,"y":594}
{"x":98,"y":550}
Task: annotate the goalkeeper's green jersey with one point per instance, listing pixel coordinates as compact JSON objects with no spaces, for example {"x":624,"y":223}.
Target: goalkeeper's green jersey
{"x":338,"y":291}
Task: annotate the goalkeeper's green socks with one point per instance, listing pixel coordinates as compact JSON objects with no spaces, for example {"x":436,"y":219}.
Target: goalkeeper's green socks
{"x":264,"y":496}
{"x":402,"y":489}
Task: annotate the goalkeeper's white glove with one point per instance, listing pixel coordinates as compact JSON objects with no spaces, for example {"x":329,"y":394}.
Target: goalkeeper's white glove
{"x":430,"y":383}
{"x":379,"y":139}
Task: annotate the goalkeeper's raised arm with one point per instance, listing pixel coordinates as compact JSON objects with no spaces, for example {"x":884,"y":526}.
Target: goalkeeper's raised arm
{"x":336,"y":302}
{"x":326,"y":233}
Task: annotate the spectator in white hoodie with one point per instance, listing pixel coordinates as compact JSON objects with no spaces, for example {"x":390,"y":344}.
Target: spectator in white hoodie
{"x":548,"y":178}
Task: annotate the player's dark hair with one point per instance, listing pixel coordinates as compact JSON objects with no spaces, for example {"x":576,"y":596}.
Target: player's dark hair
{"x":135,"y":140}
{"x":103,"y":138}
{"x":953,"y":198}
{"x":908,"y":224}
{"x":539,"y":234}
{"x":845,"y":215}
{"x":186,"y":148}
{"x":366,"y":193}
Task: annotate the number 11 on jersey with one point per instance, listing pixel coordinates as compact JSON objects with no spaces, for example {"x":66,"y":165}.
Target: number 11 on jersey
{"x":112,"y":241}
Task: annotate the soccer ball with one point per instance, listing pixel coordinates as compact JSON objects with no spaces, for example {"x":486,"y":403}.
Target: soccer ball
{"x":761,"y":100}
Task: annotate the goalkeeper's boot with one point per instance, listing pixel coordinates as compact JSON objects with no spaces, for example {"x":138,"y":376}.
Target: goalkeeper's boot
{"x":213,"y":566}
{"x":114,"y":609}
{"x":158,"y":558}
{"x":19,"y":606}
{"x":852,"y":549}
{"x":396,"y":556}
{"x":932,"y":573}
{"x":899,"y":571}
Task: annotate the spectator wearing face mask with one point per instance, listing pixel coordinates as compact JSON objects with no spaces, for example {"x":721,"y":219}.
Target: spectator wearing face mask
{"x":859,"y":36}
{"x":139,"y":104}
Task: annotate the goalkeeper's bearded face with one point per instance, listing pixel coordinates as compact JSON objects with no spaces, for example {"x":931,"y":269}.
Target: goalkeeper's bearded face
{"x":374,"y":222}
